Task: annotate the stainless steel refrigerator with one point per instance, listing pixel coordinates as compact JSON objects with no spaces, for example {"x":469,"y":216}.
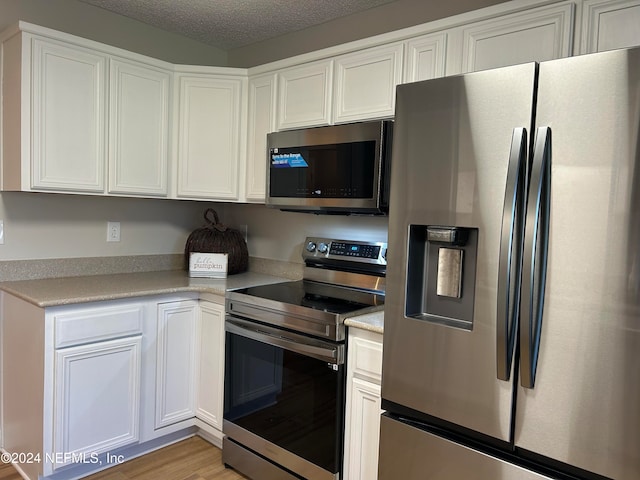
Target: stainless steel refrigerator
{"x":512,"y":313}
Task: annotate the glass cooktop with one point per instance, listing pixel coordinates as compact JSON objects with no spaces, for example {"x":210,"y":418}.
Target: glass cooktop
{"x":316,"y":295}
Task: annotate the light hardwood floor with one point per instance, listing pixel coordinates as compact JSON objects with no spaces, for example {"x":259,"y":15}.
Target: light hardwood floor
{"x":191,"y":459}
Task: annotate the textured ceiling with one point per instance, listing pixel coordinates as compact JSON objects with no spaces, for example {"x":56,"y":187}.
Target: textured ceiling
{"x":229,"y":24}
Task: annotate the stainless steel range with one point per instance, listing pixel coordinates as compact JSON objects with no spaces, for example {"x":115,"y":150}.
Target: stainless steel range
{"x":284,"y":365}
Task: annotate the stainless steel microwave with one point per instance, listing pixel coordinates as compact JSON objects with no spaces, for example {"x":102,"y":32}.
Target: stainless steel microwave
{"x":341,"y":169}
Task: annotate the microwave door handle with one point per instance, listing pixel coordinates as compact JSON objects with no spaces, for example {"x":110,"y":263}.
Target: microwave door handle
{"x":535,"y":256}
{"x":510,"y":254}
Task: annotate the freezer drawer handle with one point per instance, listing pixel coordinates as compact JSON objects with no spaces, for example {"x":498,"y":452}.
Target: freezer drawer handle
{"x":510,"y":254}
{"x":534,"y":268}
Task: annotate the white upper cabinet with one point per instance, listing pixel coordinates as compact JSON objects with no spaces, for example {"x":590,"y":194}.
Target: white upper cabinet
{"x":304,"y":95}
{"x":365,"y":83}
{"x":261,"y":121}
{"x":609,"y":24}
{"x":62,"y":145}
{"x":138,"y":129}
{"x":60,"y":133}
{"x":425,"y":57}
{"x":68,"y":105}
{"x":538,"y":34}
{"x":79,"y":116}
{"x":209,"y":123}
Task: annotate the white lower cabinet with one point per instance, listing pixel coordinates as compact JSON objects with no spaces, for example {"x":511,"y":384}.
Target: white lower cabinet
{"x":82,"y":381}
{"x":210,"y":367}
{"x":97,"y":393}
{"x":96,"y":380}
{"x":175,"y":362}
{"x":362,"y":420}
{"x":183,"y":367}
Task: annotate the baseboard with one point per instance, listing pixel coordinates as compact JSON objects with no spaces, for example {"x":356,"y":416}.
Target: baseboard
{"x":209,"y":433}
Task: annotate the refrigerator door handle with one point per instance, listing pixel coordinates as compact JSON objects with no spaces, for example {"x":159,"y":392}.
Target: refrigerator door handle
{"x":534,"y":267}
{"x":510,"y":254}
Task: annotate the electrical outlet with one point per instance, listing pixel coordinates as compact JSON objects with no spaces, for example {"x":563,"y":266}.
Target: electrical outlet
{"x":113,"y":231}
{"x":1,"y":232}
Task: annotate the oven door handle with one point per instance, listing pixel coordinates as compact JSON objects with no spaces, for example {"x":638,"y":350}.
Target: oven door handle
{"x":331,"y":353}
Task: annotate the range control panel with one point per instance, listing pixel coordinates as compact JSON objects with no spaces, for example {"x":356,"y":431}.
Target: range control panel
{"x":355,"y":251}
{"x":350,"y":249}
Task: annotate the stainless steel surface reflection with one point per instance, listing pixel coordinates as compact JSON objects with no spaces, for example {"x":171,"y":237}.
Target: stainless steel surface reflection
{"x":285,"y":365}
{"x":585,"y":407}
{"x":542,"y":163}
{"x":410,"y":453}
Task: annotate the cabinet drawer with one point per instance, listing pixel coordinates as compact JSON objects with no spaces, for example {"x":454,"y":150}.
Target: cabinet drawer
{"x":85,"y":325}
{"x":366,"y":358}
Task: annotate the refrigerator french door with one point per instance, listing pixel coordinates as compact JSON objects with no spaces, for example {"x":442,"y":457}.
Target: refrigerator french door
{"x":512,"y":311}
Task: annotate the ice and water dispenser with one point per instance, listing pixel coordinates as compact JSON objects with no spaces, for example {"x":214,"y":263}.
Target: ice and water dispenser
{"x":441,"y":274}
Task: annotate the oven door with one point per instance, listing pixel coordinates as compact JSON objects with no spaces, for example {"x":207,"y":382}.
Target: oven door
{"x":284,"y":397}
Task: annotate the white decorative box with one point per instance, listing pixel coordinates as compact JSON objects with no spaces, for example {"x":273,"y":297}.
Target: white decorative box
{"x":208,"y":265}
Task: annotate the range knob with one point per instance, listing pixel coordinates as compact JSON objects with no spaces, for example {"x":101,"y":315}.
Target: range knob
{"x":311,"y":247}
{"x":323,"y":247}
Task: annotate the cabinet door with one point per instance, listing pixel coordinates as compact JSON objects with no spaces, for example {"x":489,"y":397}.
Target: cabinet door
{"x":538,"y":34}
{"x":68,"y":128}
{"x":425,"y":57}
{"x":97,"y":392}
{"x":210,"y":380}
{"x":609,"y":24}
{"x":208,"y":137}
{"x":138,"y":129}
{"x":361,"y":455}
{"x":362,"y":419}
{"x":365,"y":83}
{"x":262,"y":116}
{"x":175,"y":362}
{"x":304,"y":95}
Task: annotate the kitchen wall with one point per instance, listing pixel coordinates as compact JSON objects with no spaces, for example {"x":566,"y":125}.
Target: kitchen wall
{"x":88,"y":21}
{"x":280,"y":235}
{"x":384,"y":18}
{"x":39,"y":226}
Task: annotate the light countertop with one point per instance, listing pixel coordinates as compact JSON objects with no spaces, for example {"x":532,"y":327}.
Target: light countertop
{"x":50,"y":292}
{"x":372,"y":320}
{"x":68,"y":290}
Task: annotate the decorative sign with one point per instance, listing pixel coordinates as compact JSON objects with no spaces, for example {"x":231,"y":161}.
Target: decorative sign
{"x":208,"y":265}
